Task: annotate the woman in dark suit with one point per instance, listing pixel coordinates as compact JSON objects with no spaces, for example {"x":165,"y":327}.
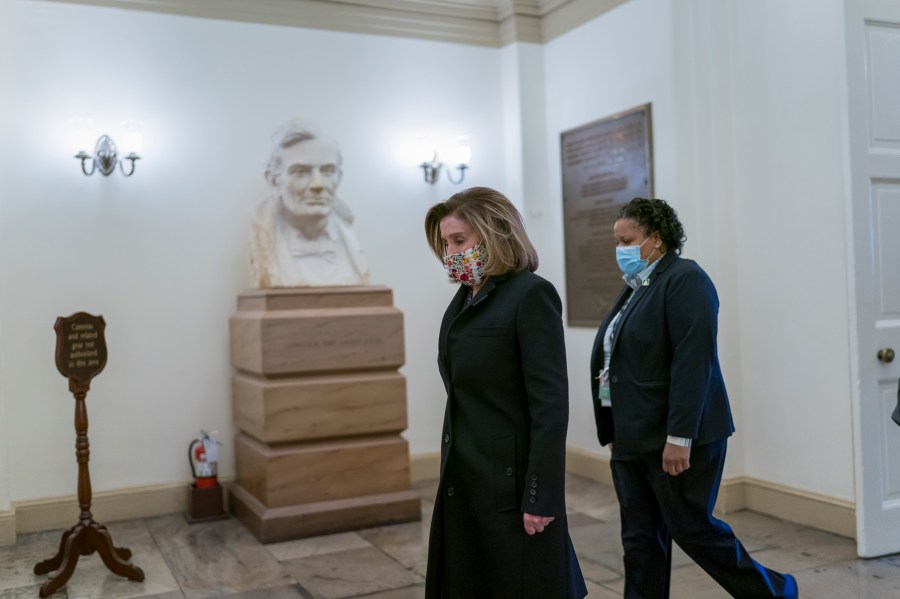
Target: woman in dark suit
{"x":660,"y":402}
{"x":499,"y":525}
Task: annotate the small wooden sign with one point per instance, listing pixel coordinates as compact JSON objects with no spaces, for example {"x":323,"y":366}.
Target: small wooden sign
{"x":80,"y":356}
{"x":80,"y":346}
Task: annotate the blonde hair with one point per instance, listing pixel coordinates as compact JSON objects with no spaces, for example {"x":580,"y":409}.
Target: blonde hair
{"x":494,"y":220}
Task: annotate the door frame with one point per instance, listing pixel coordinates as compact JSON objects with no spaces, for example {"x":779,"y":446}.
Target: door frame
{"x":859,"y":173}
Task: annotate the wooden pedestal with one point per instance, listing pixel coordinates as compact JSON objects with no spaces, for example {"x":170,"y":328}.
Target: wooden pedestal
{"x":320,"y":407}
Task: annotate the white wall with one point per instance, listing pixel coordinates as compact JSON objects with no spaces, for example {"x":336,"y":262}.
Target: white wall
{"x":746,"y":133}
{"x":6,"y":62}
{"x":163,"y":254}
{"x":789,"y":215}
{"x":608,"y":65}
{"x":746,"y":125}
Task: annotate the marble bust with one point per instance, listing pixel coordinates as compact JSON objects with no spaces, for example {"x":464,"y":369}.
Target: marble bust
{"x":302,"y":235}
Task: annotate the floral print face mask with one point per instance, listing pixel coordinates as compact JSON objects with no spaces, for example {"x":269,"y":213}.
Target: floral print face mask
{"x":467,"y":267}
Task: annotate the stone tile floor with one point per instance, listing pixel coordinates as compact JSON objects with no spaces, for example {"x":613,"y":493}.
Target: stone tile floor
{"x":222,"y":559}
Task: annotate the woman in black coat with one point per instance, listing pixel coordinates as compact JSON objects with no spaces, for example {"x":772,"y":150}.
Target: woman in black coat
{"x":499,"y":525}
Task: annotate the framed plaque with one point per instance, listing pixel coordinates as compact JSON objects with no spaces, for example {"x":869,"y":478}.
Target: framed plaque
{"x":605,"y":164}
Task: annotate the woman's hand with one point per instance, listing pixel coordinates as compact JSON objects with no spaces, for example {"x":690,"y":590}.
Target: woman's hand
{"x":676,"y":459}
{"x":535,"y":524}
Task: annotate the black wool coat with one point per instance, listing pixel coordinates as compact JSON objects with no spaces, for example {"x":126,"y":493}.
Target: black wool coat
{"x":503,"y":363}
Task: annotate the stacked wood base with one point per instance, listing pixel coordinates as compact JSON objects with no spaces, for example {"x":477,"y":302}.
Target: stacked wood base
{"x":319,"y":406}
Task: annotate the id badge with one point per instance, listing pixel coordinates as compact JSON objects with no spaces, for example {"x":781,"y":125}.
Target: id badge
{"x":603,"y":393}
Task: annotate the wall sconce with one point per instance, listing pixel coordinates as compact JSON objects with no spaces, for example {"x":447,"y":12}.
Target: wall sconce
{"x":460,"y":155}
{"x":106,"y":155}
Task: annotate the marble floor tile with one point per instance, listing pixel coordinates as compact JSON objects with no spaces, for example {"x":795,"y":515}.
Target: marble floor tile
{"x":427,"y":489}
{"x":213,"y":559}
{"x":169,"y":595}
{"x":618,"y":586}
{"x":597,"y":573}
{"x":17,"y":561}
{"x":288,"y":592}
{"x":680,"y":559}
{"x":875,"y":579}
{"x":592,"y":498}
{"x":414,"y":592}
{"x":758,"y":532}
{"x":289,"y":550}
{"x":576,"y":518}
{"x":406,"y":543}
{"x":350,"y":573}
{"x":30,"y":592}
{"x":804,"y":550}
{"x":427,"y":509}
{"x":599,"y":591}
{"x":691,"y":582}
{"x":600,"y":544}
{"x":892,"y":559}
{"x":221,"y":559}
{"x":93,"y":580}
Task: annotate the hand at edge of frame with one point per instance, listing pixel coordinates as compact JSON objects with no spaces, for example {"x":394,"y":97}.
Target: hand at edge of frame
{"x":535,"y":524}
{"x":676,"y":459}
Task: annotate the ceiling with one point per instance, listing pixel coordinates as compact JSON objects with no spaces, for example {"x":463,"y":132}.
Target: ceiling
{"x":493,"y":23}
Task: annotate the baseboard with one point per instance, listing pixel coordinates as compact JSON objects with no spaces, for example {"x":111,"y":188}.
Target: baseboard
{"x":738,"y":493}
{"x":809,"y":509}
{"x":588,"y":464}
{"x":423,"y":466}
{"x":106,"y":507}
{"x":7,"y":527}
{"x":747,"y":493}
{"x":136,"y":502}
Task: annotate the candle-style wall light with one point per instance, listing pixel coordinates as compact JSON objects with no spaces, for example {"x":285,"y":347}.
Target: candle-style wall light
{"x":106,"y":154}
{"x":460,"y":155}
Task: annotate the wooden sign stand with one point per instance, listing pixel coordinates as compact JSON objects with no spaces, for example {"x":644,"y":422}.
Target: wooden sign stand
{"x":81,"y":355}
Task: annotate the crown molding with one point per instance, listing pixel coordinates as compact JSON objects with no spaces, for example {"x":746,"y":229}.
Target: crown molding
{"x":493,"y":23}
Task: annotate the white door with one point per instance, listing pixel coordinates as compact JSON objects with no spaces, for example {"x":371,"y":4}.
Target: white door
{"x":873,"y":83}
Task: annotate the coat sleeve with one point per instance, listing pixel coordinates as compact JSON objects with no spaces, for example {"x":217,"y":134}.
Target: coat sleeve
{"x":543,"y":352}
{"x":692,"y":308}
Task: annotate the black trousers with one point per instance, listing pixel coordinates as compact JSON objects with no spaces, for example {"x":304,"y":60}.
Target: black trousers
{"x":657,"y":508}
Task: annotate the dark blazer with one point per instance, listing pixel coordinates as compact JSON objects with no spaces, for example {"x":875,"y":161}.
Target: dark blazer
{"x":503,"y":363}
{"x":665,"y":377}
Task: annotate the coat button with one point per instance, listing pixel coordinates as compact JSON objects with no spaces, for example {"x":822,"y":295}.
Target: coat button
{"x":614,"y":379}
{"x":509,"y":471}
{"x":534,"y":477}
{"x":450,"y":492}
{"x":531,"y":500}
{"x":446,"y":438}
{"x":534,"y":484}
{"x":533,"y":491}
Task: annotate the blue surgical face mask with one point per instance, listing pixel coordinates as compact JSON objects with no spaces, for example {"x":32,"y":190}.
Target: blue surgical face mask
{"x":629,"y":259}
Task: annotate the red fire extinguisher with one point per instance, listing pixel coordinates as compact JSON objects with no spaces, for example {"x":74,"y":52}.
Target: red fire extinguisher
{"x":203,"y":455}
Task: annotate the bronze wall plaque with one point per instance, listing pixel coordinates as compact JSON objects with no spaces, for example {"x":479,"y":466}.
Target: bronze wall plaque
{"x":605,"y":164}
{"x":80,"y":346}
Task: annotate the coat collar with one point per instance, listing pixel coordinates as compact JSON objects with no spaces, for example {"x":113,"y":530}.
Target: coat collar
{"x":489,"y":286}
{"x":664,"y":263}
{"x":641,"y":291}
